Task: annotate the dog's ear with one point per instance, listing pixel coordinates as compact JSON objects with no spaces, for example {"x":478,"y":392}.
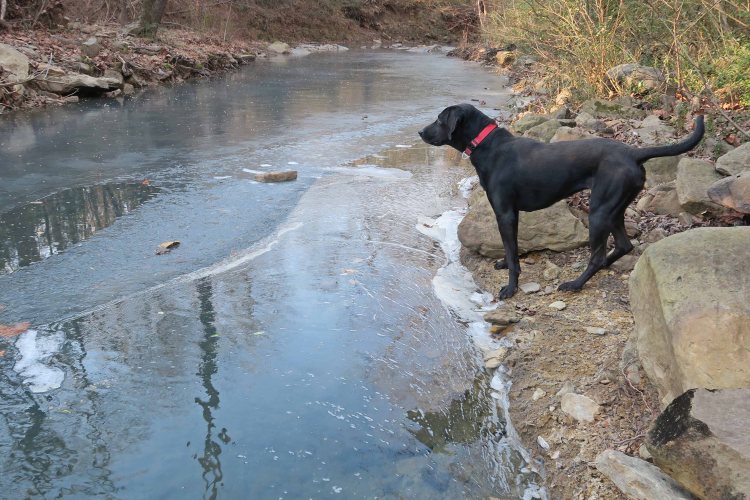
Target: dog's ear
{"x":451,"y":116}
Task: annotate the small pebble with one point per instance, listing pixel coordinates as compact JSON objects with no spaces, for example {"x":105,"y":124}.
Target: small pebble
{"x":538,"y":394}
{"x":540,"y":440}
{"x":594,"y":330}
{"x":558,"y":305}
{"x":529,"y":288}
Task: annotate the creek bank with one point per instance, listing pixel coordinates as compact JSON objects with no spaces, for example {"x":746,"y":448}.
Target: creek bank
{"x":41,"y":68}
{"x":580,"y":394}
{"x":104,"y":60}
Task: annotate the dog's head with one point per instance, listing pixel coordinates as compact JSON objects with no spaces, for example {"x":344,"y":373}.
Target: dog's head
{"x":454,"y":126}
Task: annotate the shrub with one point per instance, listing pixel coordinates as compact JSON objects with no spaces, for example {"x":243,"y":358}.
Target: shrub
{"x":694,"y":42}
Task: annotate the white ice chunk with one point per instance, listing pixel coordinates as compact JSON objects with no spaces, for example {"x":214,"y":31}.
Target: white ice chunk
{"x":34,"y":352}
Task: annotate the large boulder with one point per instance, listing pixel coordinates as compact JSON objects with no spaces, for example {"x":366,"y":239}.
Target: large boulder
{"x":732,"y":192}
{"x":15,"y":65}
{"x":662,"y":169}
{"x":637,"y":478}
{"x":75,"y":82}
{"x":553,"y":228}
{"x":690,"y":298}
{"x":734,"y":162}
{"x":694,"y":177}
{"x":701,"y":440}
{"x":636,"y":77}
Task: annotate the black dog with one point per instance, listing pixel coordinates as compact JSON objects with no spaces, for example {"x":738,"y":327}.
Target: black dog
{"x":519,"y":173}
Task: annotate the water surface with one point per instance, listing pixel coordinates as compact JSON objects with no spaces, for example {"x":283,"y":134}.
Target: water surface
{"x":293,"y":345}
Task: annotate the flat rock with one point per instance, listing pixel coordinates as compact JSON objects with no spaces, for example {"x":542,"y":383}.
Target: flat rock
{"x":501,"y":317}
{"x":570,"y":134}
{"x":531,"y":287}
{"x":528,"y":121}
{"x":79,"y":83}
{"x":545,"y":131}
{"x":280,"y":176}
{"x":245,"y":58}
{"x":638,"y":479}
{"x":735,"y":162}
{"x":579,"y":407}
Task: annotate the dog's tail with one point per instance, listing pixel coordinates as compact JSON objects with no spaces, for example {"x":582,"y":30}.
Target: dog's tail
{"x":643,"y":154}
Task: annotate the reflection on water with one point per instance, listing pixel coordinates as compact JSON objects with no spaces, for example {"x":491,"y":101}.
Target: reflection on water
{"x":40,"y":229}
{"x":210,"y":462}
{"x":467,"y":419}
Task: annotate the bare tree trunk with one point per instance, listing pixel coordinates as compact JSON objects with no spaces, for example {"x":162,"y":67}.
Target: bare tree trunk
{"x":124,"y":12}
{"x":3,"y":8}
{"x":481,"y":12}
{"x":151,"y":15}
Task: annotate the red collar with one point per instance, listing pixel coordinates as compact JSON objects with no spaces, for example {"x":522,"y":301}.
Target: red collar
{"x":478,"y":139}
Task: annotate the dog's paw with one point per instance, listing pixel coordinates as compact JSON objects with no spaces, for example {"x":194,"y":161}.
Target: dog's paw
{"x":506,"y":292}
{"x":501,"y":264}
{"x":569,"y":286}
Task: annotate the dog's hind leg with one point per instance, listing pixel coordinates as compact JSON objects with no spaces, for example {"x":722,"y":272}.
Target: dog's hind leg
{"x":622,"y":242}
{"x":610,"y":196}
{"x":599,"y":230}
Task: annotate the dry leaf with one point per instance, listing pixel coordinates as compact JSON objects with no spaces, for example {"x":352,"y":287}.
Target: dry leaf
{"x":12,"y":331}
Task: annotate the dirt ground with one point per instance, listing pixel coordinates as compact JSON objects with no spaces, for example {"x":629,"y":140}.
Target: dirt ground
{"x":553,"y":349}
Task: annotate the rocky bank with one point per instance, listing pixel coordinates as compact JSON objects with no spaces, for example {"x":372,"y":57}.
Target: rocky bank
{"x":637,"y":386}
{"x":41,"y":68}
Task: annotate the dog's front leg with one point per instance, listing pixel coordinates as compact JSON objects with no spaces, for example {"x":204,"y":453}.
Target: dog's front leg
{"x":507,"y":223}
